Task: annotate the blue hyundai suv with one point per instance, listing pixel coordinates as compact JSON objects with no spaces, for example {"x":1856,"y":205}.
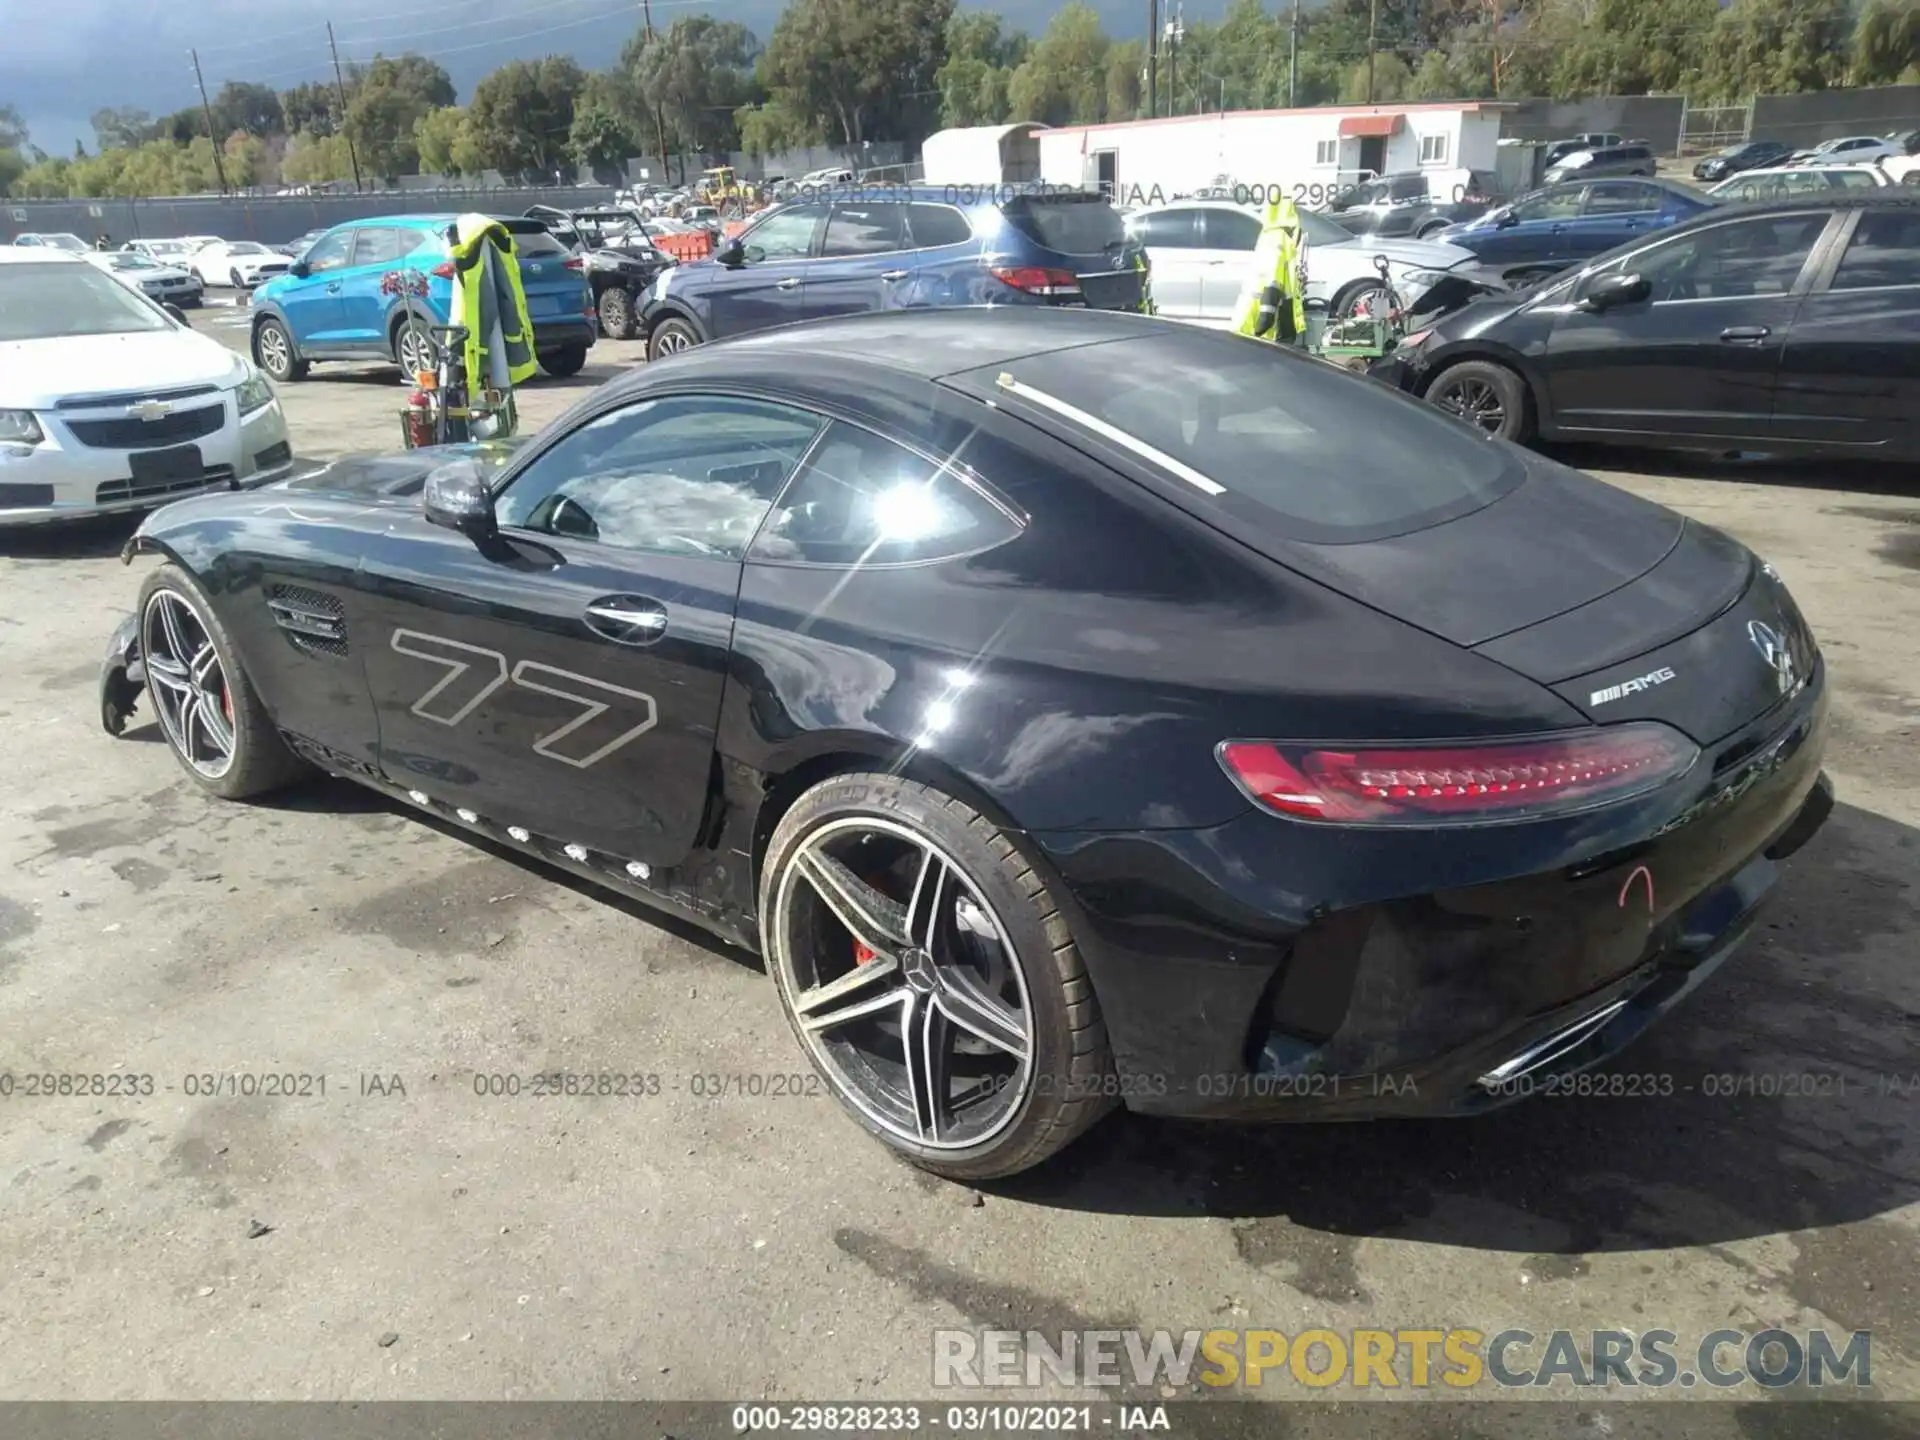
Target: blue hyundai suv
{"x":1548,"y":230}
{"x":896,"y":247}
{"x":333,"y":304}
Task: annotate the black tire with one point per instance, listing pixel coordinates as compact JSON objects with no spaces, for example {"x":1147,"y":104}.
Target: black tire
{"x":1069,"y":1057}
{"x":562,"y":363}
{"x":411,"y":336}
{"x":260,"y":760}
{"x":670,"y":336}
{"x":233,"y":278}
{"x":1345,"y":304}
{"x":1488,"y":395}
{"x":278,"y":357}
{"x":616,"y":313}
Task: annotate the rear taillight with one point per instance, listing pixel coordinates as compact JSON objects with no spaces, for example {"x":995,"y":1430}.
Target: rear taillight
{"x":444,"y":270}
{"x":1037,"y":280}
{"x":1505,"y":780}
{"x":576,"y":263}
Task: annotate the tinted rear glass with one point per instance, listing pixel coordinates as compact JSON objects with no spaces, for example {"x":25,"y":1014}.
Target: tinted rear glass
{"x":1070,"y":225}
{"x":535,"y":239}
{"x":1302,"y":449}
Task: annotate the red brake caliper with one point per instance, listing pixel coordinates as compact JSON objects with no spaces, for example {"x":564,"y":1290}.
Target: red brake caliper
{"x":862,"y":954}
{"x":226,"y":703}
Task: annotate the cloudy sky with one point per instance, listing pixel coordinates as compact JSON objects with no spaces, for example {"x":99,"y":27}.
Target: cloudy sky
{"x":63,"y":59}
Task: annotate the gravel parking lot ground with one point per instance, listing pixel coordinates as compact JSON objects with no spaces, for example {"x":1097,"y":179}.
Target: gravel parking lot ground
{"x":189,"y":1244}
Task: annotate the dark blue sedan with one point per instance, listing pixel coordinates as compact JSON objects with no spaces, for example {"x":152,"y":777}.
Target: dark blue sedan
{"x":1548,"y":230}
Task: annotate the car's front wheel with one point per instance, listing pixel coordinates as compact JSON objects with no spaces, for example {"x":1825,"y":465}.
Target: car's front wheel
{"x":213,"y":721}
{"x":1486,"y":395}
{"x":670,"y":337}
{"x":562,"y":363}
{"x":931,"y":977}
{"x":273,"y":351}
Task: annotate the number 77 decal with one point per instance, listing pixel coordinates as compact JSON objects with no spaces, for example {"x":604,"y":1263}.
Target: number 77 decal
{"x":473,"y":673}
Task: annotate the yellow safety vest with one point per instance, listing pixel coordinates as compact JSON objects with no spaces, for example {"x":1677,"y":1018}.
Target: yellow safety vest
{"x":491,"y":303}
{"x":1278,"y":265}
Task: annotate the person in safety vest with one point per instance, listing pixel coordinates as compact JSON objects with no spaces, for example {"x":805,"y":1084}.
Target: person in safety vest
{"x":1146,"y":282}
{"x":1273,"y":301}
{"x":491,"y":305}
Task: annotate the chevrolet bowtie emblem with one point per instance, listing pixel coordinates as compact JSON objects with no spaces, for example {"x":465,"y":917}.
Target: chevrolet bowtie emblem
{"x":149,"y":410}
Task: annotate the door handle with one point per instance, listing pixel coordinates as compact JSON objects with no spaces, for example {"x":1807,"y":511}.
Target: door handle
{"x":787,"y":284}
{"x":1745,"y":334}
{"x":333,"y":287}
{"x":893,"y":274}
{"x":627,"y":619}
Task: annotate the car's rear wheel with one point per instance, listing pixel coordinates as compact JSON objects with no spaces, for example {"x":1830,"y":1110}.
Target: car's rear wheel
{"x":1361,"y":297}
{"x":670,"y":337}
{"x":616,"y":313}
{"x":213,"y":721}
{"x":413,"y":349}
{"x":562,"y":363}
{"x":274,"y":353}
{"x":931,"y":977}
{"x":1486,"y":395}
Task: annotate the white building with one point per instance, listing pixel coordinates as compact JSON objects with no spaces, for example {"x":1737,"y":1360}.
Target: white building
{"x":1312,"y":153}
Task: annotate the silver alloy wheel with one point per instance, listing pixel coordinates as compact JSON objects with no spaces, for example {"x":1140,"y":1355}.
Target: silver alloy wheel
{"x":673,"y":341}
{"x":188,"y":686}
{"x":416,"y":351}
{"x":903,"y":983}
{"x":1364,"y":303}
{"x":275,"y":351}
{"x":1474,"y":401}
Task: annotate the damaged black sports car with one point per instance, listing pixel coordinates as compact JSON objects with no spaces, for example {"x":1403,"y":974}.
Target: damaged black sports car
{"x":1073,"y":709}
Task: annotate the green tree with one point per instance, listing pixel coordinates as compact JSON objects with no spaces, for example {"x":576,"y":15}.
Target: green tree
{"x":1063,"y":80}
{"x":1775,"y":47}
{"x":12,"y":167}
{"x":521,"y":115}
{"x":385,"y":107}
{"x":693,"y":76}
{"x":771,"y":128}
{"x":311,"y":108}
{"x":120,"y":127}
{"x":13,"y":130}
{"x":1383,"y":80}
{"x":601,"y":137}
{"x":43,"y":180}
{"x":315,"y":159}
{"x":1126,"y":85}
{"x":1886,"y":43}
{"x":1635,"y":47}
{"x":981,"y":57}
{"x":860,"y":69}
{"x":243,"y":105}
{"x":444,"y":142}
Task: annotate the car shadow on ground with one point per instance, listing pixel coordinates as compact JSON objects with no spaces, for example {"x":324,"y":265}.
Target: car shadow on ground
{"x":90,"y":539}
{"x":1891,"y":478}
{"x":1824,"y":988}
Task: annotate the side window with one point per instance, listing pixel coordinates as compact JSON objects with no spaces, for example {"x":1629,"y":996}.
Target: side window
{"x":931,"y":226}
{"x":1738,"y":191}
{"x":863,"y":228}
{"x":1762,"y":256}
{"x":680,"y":475}
{"x":1229,"y":230}
{"x":863,"y":500}
{"x":786,"y":234}
{"x":377,"y":245}
{"x":1562,"y":203}
{"x":1170,"y":230}
{"x":1403,"y":188}
{"x":1884,"y":251}
{"x":329,"y":252}
{"x":1622,"y":197}
{"x":1851,"y":180}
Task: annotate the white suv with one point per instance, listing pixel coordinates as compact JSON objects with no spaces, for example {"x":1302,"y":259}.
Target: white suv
{"x":109,"y":404}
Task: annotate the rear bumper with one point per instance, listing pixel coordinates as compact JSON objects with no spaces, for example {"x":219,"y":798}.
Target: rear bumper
{"x":564,"y":333}
{"x":1252,"y":971}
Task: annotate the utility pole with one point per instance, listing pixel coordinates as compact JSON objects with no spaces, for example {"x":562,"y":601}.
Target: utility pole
{"x":1373,"y":35}
{"x":340,"y":89}
{"x":219,"y":170}
{"x":1176,"y":31}
{"x":1153,"y":58}
{"x":659,"y":118}
{"x":1293,"y":60}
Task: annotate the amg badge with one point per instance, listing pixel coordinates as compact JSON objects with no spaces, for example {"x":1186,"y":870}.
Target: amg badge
{"x":1630,"y":687}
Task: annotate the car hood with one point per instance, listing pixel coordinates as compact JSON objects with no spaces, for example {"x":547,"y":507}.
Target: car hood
{"x":38,"y":374}
{"x":397,"y":478}
{"x":1419,"y":254}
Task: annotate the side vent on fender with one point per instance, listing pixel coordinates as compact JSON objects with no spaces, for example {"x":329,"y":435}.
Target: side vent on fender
{"x":315,"y":623}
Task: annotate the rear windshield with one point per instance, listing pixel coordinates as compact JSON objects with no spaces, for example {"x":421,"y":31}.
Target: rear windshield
{"x":1070,"y":224}
{"x":536,"y":239}
{"x":1302,"y":448}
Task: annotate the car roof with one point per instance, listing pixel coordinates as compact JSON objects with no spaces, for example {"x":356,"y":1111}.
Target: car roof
{"x":1891,"y":197}
{"x":36,"y":254}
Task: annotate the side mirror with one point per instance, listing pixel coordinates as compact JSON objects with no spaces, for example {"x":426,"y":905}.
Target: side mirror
{"x":1506,"y":220}
{"x":1611,"y":290}
{"x":299,"y":270}
{"x":457,"y":498}
{"x":733,"y":254}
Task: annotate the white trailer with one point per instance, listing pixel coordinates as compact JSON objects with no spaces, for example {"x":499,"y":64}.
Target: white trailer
{"x":982,"y":155}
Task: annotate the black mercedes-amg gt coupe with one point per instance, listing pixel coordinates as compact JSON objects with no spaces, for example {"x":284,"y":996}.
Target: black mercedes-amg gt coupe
{"x":1074,"y":710}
